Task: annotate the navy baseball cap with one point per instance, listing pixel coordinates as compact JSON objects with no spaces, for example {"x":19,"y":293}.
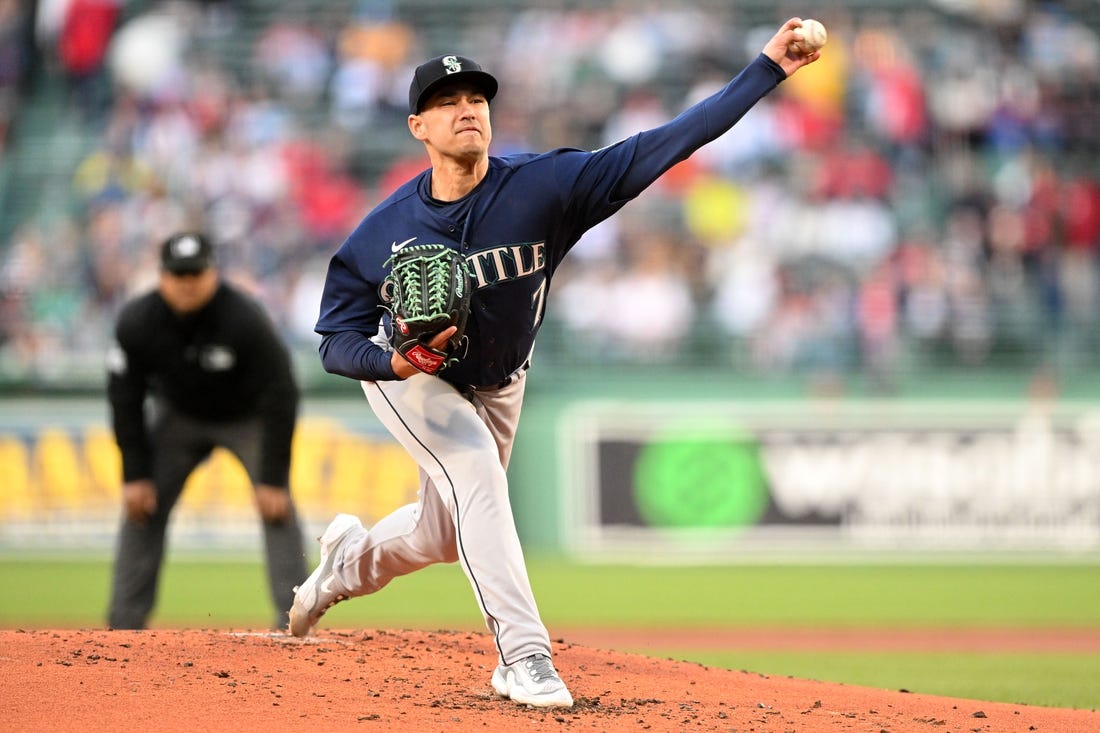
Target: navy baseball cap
{"x":186,"y":253}
{"x":433,"y":74}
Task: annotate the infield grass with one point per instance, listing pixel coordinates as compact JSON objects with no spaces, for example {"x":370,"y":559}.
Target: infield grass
{"x":54,"y":592}
{"x":1052,"y":680}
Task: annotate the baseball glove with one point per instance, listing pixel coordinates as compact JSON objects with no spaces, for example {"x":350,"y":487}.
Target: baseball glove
{"x":429,"y":289}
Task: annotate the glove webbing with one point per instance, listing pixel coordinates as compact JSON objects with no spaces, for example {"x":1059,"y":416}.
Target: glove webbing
{"x":427,"y":305}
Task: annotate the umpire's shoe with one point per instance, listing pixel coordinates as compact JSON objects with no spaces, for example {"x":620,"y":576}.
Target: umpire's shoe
{"x":532,"y":681}
{"x":321,"y":592}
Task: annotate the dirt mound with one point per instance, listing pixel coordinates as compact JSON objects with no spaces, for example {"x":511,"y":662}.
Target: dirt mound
{"x":215,"y":680}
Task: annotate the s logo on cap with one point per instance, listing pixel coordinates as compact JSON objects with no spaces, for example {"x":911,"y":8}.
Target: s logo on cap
{"x":440,"y":70}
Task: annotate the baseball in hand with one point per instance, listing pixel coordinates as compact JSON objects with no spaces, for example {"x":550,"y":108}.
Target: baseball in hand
{"x":811,"y":36}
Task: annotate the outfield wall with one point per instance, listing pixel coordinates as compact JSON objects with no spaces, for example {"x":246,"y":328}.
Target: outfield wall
{"x":62,"y":471}
{"x":683,"y":480}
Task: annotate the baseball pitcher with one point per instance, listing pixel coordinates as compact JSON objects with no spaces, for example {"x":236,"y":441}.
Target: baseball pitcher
{"x":451,"y":395}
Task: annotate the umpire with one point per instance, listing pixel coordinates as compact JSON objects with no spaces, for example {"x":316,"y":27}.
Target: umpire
{"x":218,"y":374}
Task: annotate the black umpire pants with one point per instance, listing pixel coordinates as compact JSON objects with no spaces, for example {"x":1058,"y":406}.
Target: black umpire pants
{"x":180,"y":444}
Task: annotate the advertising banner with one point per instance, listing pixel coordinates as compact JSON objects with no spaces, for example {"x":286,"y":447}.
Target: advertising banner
{"x":720,"y":478}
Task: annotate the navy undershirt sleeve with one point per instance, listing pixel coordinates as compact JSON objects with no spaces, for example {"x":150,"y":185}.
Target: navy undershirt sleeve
{"x":352,"y":354}
{"x":659,"y":149}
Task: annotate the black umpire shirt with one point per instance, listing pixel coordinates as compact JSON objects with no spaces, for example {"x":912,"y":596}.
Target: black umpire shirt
{"x":223,"y":363}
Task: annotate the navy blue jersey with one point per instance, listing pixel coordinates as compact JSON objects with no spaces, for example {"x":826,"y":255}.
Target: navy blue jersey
{"x":514,"y":229}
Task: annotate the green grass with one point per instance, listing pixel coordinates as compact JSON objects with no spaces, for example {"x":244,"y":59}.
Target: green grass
{"x":838,"y":595}
{"x":221,"y":593}
{"x":1053,"y":680}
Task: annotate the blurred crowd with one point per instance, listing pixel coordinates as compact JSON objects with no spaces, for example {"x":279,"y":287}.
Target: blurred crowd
{"x":928,"y":193}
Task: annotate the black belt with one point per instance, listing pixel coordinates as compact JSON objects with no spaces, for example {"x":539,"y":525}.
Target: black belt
{"x":504,"y":382}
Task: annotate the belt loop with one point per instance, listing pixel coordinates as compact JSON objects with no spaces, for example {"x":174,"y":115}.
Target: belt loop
{"x":515,"y":375}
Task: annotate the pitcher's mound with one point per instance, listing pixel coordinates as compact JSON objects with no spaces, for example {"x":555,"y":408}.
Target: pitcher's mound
{"x":204,"y":680}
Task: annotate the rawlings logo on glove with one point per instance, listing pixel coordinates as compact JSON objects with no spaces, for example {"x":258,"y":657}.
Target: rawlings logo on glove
{"x":429,"y":289}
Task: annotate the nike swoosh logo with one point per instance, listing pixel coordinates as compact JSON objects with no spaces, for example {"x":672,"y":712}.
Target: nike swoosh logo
{"x":395,"y":246}
{"x":326,"y":587}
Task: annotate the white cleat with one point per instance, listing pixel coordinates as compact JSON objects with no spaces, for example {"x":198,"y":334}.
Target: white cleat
{"x":532,"y":681}
{"x":320,"y":591}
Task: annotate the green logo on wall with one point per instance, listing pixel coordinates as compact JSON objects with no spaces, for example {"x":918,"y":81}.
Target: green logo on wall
{"x":707,"y":482}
